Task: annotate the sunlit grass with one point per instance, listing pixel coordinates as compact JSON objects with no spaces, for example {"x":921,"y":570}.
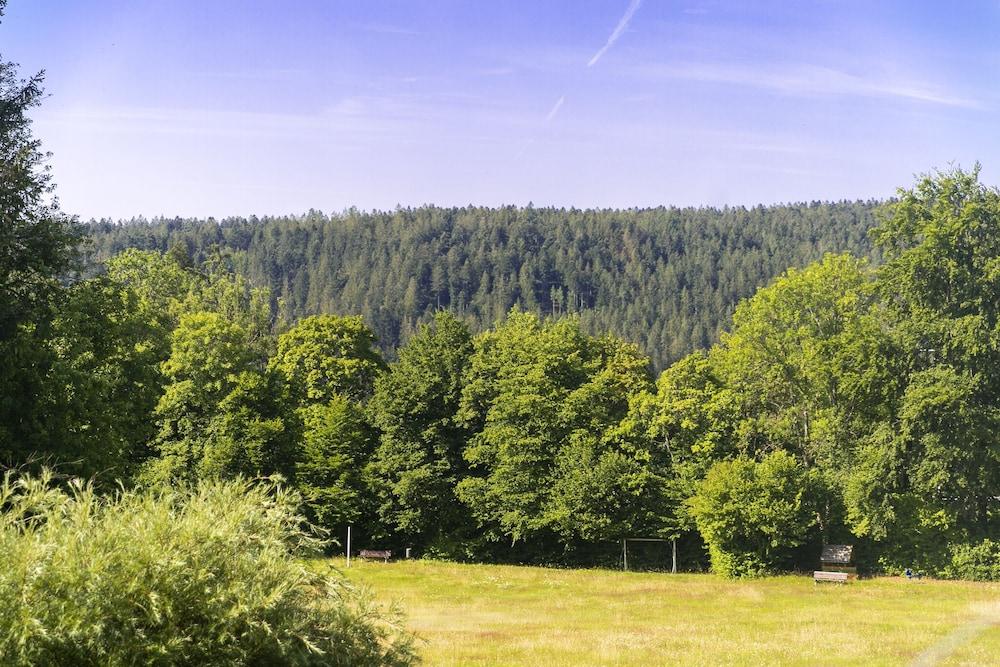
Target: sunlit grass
{"x":503,"y":615}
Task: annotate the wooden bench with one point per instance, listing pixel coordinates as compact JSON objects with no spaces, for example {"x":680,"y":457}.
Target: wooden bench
{"x":374,"y":553}
{"x":832,"y":577}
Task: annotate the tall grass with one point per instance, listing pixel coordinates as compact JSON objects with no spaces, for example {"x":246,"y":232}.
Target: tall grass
{"x":210,"y":575}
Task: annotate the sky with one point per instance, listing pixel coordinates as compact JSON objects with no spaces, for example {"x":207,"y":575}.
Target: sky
{"x":195,"y":108}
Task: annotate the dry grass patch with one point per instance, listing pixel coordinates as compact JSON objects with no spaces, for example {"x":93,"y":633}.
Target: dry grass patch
{"x":506,"y":615}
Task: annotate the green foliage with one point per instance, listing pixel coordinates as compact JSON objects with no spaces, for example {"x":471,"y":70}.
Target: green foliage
{"x":328,"y":365}
{"x":208,"y":355}
{"x":940,"y":286}
{"x":809,"y":360}
{"x":326,"y":355}
{"x":207,"y":350}
{"x":977,"y":562}
{"x":603,"y":492}
{"x":336,"y":443}
{"x":168,"y":287}
{"x":752,"y":515}
{"x":103,"y":383}
{"x":419,"y":460}
{"x":167,"y":295}
{"x":875,"y":485}
{"x":533,"y":388}
{"x":211,"y":576}
{"x":159,"y":283}
{"x":37,"y":242}
{"x":221,"y":289}
{"x":948,"y":439}
{"x":941,"y":241}
{"x":665,"y":278}
{"x":252,"y":431}
{"x":85,"y":386}
{"x":941,"y":282}
{"x":37,"y":247}
{"x":688,"y":424}
{"x":927,"y":481}
{"x":917,"y":534}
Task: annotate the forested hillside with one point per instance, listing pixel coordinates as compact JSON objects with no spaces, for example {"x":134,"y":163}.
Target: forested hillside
{"x":665,"y":278}
{"x":847,"y":401}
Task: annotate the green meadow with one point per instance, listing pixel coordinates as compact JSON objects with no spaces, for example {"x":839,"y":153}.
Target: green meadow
{"x":511,"y":615}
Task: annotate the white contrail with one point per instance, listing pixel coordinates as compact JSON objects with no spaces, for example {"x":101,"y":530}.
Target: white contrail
{"x":555,"y":108}
{"x":619,"y":29}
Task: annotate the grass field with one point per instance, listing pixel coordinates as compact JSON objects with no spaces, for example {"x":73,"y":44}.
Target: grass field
{"x":503,"y":615}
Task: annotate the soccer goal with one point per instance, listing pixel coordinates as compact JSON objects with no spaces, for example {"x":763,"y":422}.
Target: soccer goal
{"x":649,"y":554}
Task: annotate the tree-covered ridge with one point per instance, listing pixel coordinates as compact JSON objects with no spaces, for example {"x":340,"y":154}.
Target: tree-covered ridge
{"x":667,"y":279}
{"x":848,"y":401}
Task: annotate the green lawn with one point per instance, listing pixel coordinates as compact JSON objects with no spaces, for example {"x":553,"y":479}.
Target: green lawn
{"x":503,"y":615}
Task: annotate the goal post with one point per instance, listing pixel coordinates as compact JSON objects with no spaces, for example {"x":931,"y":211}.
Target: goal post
{"x":637,"y":541}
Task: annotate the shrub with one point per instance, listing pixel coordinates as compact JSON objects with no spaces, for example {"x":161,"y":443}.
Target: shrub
{"x":978,"y":562}
{"x":752,"y":515}
{"x":209,"y":575}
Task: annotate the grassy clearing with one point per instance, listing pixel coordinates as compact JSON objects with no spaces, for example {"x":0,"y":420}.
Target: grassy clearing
{"x":503,"y":615}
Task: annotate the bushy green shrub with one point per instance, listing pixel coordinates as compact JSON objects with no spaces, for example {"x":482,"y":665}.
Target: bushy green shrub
{"x":210,"y":575}
{"x":978,"y":562}
{"x":919,"y":536}
{"x":753,"y":515}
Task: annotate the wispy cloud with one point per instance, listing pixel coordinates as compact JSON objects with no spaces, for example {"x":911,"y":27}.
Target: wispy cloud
{"x":259,"y":74}
{"x":808,"y":80}
{"x":354,"y":119}
{"x":345,"y":118}
{"x":615,"y":34}
{"x":527,"y":145}
{"x":555,"y":108}
{"x":386,"y":29}
{"x":495,"y":71}
{"x":633,"y":7}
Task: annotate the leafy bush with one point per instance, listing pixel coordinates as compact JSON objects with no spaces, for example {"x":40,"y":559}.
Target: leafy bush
{"x":752,"y":515}
{"x":978,"y":562}
{"x":210,"y":575}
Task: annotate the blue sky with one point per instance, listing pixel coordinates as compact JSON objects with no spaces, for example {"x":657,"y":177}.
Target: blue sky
{"x":200,"y":108}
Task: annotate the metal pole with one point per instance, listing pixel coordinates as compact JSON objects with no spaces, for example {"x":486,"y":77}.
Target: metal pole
{"x":625,"y":553}
{"x":673,"y":549}
{"x":348,"y":546}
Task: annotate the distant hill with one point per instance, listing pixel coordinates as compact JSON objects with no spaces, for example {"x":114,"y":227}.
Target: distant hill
{"x":665,"y":278}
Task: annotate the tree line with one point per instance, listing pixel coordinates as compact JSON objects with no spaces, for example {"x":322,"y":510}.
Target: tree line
{"x":665,"y":278}
{"x":848,"y":401}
